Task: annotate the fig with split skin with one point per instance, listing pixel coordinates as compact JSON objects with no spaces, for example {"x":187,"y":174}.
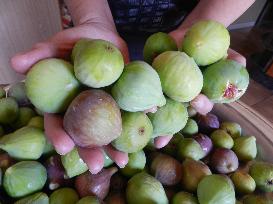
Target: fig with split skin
{"x":243,"y":182}
{"x":207,"y":123}
{"x":93,"y":119}
{"x":245,"y":148}
{"x":184,"y":198}
{"x":232,"y":128}
{"x":190,"y":128}
{"x":18,"y":92}
{"x":64,"y":196}
{"x":9,"y":110}
{"x":135,"y":165}
{"x":36,"y":198}
{"x":138,"y":88}
{"x":221,"y":139}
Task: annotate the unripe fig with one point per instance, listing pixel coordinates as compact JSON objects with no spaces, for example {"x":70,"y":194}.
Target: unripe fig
{"x":18,"y":92}
{"x":245,"y":148}
{"x":64,"y":196}
{"x":189,"y":148}
{"x":8,"y":110}
{"x":222,"y":139}
{"x":184,"y":198}
{"x":232,"y":128}
{"x":190,"y":128}
{"x":135,"y":165}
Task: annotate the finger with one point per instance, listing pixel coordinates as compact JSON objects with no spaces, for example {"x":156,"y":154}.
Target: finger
{"x":233,"y":55}
{"x":120,"y":158}
{"x":93,"y":157}
{"x":162,"y":141}
{"x":202,"y":104}
{"x":56,"y":134}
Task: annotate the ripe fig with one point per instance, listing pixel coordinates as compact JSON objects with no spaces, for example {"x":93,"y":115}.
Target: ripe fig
{"x":51,"y":85}
{"x":262,"y":173}
{"x":207,"y":123}
{"x":243,"y":182}
{"x":8,"y":110}
{"x":221,"y":139}
{"x":37,"y":122}
{"x":256,"y":199}
{"x":64,"y":196}
{"x":232,"y":128}
{"x":166,"y":169}
{"x":141,"y":93}
{"x":143,"y":188}
{"x":24,"y":116}
{"x":18,"y":92}
{"x":192,"y":173}
{"x":190,"y":128}
{"x":89,"y":200}
{"x":135,"y":165}
{"x":93,"y":119}
{"x":169,"y":119}
{"x":245,"y":148}
{"x":184,"y":198}
{"x":137,"y":130}
{"x":224,"y":161}
{"x":215,"y":189}
{"x":156,"y":44}
{"x":172,"y":146}
{"x":204,"y":141}
{"x":189,"y":148}
{"x":36,"y":198}
{"x":170,"y":66}
{"x":96,"y":185}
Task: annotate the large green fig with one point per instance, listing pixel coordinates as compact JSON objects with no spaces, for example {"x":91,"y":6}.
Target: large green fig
{"x":51,"y":85}
{"x":36,"y":198}
{"x":157,"y":44}
{"x":25,"y":143}
{"x":25,"y":114}
{"x":181,"y":78}
{"x":18,"y":92}
{"x":184,"y":198}
{"x":8,"y":110}
{"x":169,"y":119}
{"x":93,"y":119}
{"x":97,"y":63}
{"x":137,"y":130}
{"x":138,"y":88}
{"x":24,"y":178}
{"x":206,"y":42}
{"x":64,"y":196}
{"x":73,"y":164}
{"x":143,"y":188}
{"x":245,"y":148}
{"x":136,"y":164}
{"x":216,"y":189}
{"x":225,"y":81}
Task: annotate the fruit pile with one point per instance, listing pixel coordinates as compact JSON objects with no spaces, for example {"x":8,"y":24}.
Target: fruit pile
{"x":103,"y":102}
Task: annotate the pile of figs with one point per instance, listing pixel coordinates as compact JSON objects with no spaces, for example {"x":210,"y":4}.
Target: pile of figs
{"x":103,"y":101}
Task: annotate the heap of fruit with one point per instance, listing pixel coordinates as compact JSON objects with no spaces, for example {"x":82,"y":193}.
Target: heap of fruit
{"x":104,"y":102}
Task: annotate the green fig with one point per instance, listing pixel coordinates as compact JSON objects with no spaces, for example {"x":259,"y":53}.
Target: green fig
{"x":233,"y":129}
{"x":137,"y":130}
{"x":107,"y":160}
{"x":97,"y":63}
{"x":180,"y":76}
{"x":243,"y":182}
{"x":25,"y":143}
{"x":89,"y":200}
{"x":191,"y":111}
{"x":245,"y":148}
{"x":221,"y":139}
{"x":189,"y":148}
{"x":36,"y":198}
{"x":143,"y":188}
{"x":37,"y":122}
{"x":64,"y":196}
{"x":138,"y":88}
{"x":184,"y":198}
{"x":216,"y":189}
{"x":262,"y":173}
{"x":192,"y":173}
{"x":24,"y":116}
{"x":73,"y":164}
{"x":51,"y":85}
{"x":135,"y":165}
{"x":24,"y":178}
{"x":8,"y":110}
{"x":18,"y":92}
{"x":191,"y":127}
{"x":156,"y":44}
{"x":172,"y":146}
{"x":2,"y":93}
{"x":256,"y":199}
{"x":169,"y":119}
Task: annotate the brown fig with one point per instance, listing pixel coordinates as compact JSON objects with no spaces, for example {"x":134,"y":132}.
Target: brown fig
{"x":93,"y":119}
{"x":207,"y":123}
{"x":95,"y":184}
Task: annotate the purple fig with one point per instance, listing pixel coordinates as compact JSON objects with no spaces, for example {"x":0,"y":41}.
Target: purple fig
{"x":205,"y":142}
{"x":207,"y":123}
{"x":224,"y":161}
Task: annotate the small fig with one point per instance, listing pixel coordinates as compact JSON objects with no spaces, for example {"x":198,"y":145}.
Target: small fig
{"x":143,"y":188}
{"x":190,"y":128}
{"x":256,"y":199}
{"x":25,"y":143}
{"x":166,"y":169}
{"x":93,"y":119}
{"x":243,"y":182}
{"x":192,"y":173}
{"x":207,"y":123}
{"x":73,"y":164}
{"x":24,"y":178}
{"x":89,"y":200}
{"x":172,"y":146}
{"x":24,"y":116}
{"x":215,"y":189}
{"x":191,"y":111}
{"x":97,"y":185}
{"x":136,"y":164}
{"x":262,"y":173}
{"x":107,"y":160}
{"x":37,"y":122}
{"x":36,"y":198}
{"x":8,"y":110}
{"x":233,"y":129}
{"x":245,"y":148}
{"x":136,"y":132}
{"x":204,"y":141}
{"x":224,"y":161}
{"x":184,"y":198}
{"x":18,"y":92}
{"x":221,"y":139}
{"x":64,"y":196}
{"x":189,"y":148}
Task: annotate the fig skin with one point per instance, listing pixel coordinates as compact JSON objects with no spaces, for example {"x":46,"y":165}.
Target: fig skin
{"x":243,"y":182}
{"x":93,"y":119}
{"x":189,"y":148}
{"x":64,"y":196}
{"x":207,"y":123}
{"x":166,"y":169}
{"x":24,"y":116}
{"x":204,"y":141}
{"x":37,"y":122}
{"x":190,"y":128}
{"x":224,"y":161}
{"x":135,"y":165}
{"x":184,"y":198}
{"x":245,"y":148}
{"x":8,"y":110}
{"x":221,"y":139}
{"x":232,"y":128}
